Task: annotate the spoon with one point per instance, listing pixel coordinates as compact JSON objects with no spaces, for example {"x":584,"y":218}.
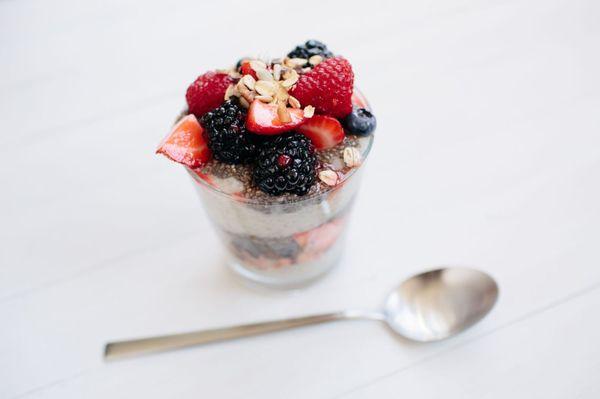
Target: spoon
{"x":426,"y":307}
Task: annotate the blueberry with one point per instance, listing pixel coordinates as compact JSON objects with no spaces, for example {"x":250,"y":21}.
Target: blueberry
{"x":360,"y":122}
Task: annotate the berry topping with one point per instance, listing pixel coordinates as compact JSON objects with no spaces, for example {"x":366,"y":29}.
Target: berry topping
{"x":207,"y":92}
{"x":360,"y":122}
{"x":323,"y":131}
{"x":359,"y":100}
{"x":226,"y":133}
{"x":283,"y":160}
{"x":310,"y":48}
{"x":295,"y":176}
{"x":268,"y":119}
{"x":185,"y":144}
{"x":328,"y":87}
{"x":246,"y":69}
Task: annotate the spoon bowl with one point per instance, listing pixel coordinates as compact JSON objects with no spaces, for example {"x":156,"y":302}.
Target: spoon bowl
{"x":440,"y":303}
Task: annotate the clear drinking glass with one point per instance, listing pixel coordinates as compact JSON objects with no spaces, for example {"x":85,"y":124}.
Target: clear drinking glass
{"x":283,"y":244}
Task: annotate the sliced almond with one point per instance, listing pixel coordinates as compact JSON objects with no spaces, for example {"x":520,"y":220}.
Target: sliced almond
{"x":283,"y":113}
{"x":309,"y":111}
{"x":257,"y":64}
{"x":281,"y":93}
{"x":263,"y":74}
{"x":229,"y":92}
{"x":244,"y":102}
{"x":328,"y":177}
{"x":291,"y":80}
{"x":245,"y":92}
{"x":277,"y":71}
{"x":249,"y":81}
{"x":351,"y":157}
{"x":265,"y":88}
{"x":264,"y":99}
{"x":294,"y":102}
{"x":315,"y":60}
{"x":294,"y":62}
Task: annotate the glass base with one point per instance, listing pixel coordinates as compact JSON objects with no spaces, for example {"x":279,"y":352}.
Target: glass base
{"x":291,"y":276}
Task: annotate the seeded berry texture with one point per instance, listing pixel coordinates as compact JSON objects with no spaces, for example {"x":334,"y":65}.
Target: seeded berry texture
{"x":328,"y":87}
{"x":227,"y":136}
{"x":310,"y":48}
{"x":286,"y":164}
{"x":207,"y":92}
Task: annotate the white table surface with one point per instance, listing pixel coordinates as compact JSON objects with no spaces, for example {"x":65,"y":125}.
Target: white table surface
{"x":487,"y":154}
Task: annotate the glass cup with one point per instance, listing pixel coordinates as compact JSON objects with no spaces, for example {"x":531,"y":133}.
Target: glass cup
{"x":283,"y":244}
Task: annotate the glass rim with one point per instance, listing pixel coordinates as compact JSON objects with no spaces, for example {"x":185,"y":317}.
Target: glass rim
{"x":276,"y":199}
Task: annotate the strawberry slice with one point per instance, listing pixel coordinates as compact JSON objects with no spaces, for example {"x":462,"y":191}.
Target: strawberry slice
{"x":323,"y":131}
{"x":263,"y":119}
{"x":246,"y":69}
{"x":359,"y":100}
{"x":186,"y":144}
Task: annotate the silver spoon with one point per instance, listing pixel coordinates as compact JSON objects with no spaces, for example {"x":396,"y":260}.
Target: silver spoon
{"x":427,"y":307}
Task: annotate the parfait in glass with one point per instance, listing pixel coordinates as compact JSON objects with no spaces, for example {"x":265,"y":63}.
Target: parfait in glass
{"x":275,"y":149}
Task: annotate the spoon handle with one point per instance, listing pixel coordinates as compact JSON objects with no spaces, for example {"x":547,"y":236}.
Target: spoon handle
{"x":175,"y":341}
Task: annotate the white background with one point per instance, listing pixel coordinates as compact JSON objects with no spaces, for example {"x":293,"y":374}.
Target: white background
{"x":487,"y":154}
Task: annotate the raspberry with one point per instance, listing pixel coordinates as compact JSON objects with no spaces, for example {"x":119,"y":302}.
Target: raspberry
{"x":227,"y":136}
{"x":286,"y":164}
{"x":328,"y":87}
{"x":207,"y":92}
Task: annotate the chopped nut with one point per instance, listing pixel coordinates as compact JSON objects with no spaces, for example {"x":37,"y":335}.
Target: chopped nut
{"x":294,"y":62}
{"x":265,"y":88}
{"x":276,"y":61}
{"x":281,"y":93}
{"x":264,"y":99}
{"x":328,"y":177}
{"x":245,"y":92}
{"x":283,"y":113}
{"x":263,"y":74}
{"x":351,"y":157}
{"x":229,"y":92}
{"x":294,"y":102}
{"x":257,"y":64}
{"x":305,"y":70}
{"x":277,"y":71}
{"x":249,"y":81}
{"x":244,"y":103}
{"x":309,"y":111}
{"x":291,"y":80}
{"x":315,"y":60}
{"x":286,"y":72}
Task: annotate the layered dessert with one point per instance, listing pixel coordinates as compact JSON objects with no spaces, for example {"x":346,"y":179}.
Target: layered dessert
{"x":275,"y":149}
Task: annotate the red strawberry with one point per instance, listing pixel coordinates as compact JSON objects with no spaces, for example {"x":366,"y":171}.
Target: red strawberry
{"x":263,"y":119}
{"x":247,"y":70}
{"x":186,"y":144}
{"x":323,"y":131}
{"x":207,"y":92}
{"x":328,"y":87}
{"x":320,"y":238}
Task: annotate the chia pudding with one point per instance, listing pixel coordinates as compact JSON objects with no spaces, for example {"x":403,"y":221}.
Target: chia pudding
{"x":275,"y":149}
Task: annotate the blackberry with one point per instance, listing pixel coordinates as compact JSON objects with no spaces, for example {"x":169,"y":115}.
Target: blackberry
{"x":286,"y":164}
{"x":310,"y":48}
{"x":226,"y":133}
